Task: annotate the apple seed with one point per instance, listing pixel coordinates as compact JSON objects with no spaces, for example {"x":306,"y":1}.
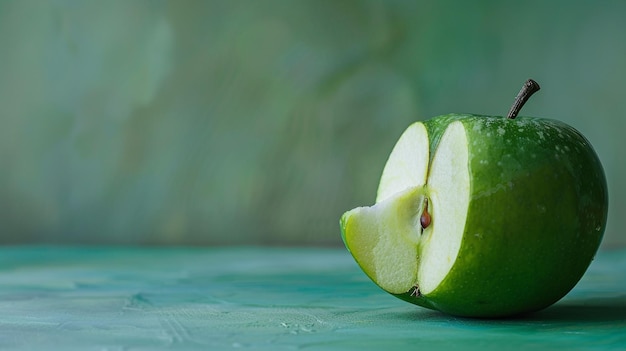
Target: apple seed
{"x":425,"y":217}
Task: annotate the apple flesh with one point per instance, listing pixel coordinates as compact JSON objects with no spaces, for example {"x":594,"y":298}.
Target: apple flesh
{"x":516,"y":207}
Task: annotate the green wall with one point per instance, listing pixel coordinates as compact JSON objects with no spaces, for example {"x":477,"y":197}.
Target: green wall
{"x":260,"y":122}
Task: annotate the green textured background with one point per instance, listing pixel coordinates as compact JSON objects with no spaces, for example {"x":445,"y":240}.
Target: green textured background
{"x":260,"y":122}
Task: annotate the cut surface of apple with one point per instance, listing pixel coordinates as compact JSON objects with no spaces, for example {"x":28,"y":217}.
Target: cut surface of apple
{"x":387,"y":239}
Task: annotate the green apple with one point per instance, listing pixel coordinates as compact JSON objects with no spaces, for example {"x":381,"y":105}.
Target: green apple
{"x":482,"y":216}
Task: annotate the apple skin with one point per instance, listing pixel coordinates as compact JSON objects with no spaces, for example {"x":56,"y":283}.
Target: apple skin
{"x":536,"y":217}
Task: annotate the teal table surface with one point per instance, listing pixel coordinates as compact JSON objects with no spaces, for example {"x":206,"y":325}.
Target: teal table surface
{"x":69,"y":298}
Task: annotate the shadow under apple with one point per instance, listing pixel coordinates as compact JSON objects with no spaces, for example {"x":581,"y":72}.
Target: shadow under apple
{"x":600,"y":310}
{"x":609,"y":311}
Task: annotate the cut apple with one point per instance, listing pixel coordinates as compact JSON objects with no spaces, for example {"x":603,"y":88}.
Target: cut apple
{"x":387,"y":239}
{"x":483,"y":216}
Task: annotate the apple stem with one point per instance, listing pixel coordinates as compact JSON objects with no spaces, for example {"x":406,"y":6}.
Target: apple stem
{"x":529,"y":88}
